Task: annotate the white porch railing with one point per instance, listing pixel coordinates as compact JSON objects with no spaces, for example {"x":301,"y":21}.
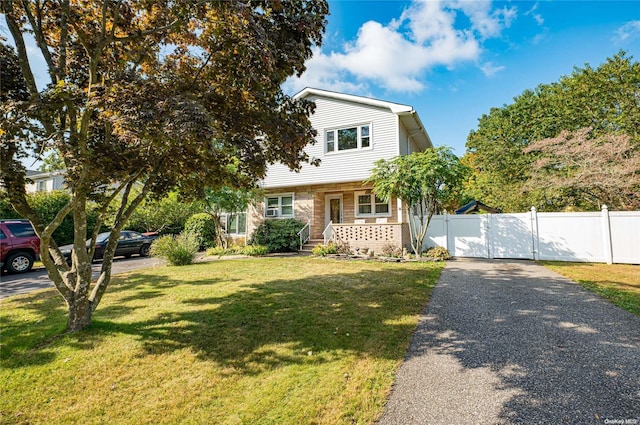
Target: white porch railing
{"x":328,"y":232}
{"x":304,"y":234}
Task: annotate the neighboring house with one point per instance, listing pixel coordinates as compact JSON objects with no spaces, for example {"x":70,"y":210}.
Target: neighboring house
{"x":353,"y":133}
{"x":45,"y":181}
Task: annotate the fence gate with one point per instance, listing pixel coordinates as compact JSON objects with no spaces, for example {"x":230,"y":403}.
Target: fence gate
{"x":510,"y":236}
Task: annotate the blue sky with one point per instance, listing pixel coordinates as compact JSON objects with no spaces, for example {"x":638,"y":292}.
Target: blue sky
{"x":454,"y":60}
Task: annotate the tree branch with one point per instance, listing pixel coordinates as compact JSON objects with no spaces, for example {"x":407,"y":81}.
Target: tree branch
{"x":143,"y":34}
{"x":36,"y":26}
{"x":17,"y":195}
{"x":123,"y":214}
{"x":64,"y":33}
{"x":23,"y":57}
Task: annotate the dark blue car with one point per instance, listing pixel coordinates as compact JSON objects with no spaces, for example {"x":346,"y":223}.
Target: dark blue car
{"x":130,"y":243}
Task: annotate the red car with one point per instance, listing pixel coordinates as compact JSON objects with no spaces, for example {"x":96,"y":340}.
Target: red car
{"x":19,"y":246}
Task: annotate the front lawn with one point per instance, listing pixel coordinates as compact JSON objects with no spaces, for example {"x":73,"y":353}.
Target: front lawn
{"x":255,"y":341}
{"x":618,"y":283}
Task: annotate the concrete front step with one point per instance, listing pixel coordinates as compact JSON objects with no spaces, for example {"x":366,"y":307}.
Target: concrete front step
{"x":308,"y":246}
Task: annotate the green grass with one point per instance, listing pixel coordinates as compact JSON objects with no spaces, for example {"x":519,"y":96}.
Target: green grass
{"x":618,"y":283}
{"x":255,"y":341}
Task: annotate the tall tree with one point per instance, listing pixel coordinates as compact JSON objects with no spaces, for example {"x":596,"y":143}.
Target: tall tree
{"x":52,"y":162}
{"x":174,"y":95}
{"x":423,"y":180}
{"x":605,"y":99}
{"x":167,"y":215}
{"x":590,"y":170}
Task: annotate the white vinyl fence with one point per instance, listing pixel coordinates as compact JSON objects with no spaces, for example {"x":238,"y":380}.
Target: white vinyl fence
{"x":598,"y":237}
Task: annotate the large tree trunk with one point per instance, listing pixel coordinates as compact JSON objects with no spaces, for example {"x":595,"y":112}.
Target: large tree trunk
{"x":79,"y":313}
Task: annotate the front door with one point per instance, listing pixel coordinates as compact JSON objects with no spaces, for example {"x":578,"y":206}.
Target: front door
{"x":333,"y":209}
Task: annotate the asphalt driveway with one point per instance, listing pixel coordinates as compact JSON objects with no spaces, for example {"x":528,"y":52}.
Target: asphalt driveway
{"x":23,"y":283}
{"x":510,"y":342}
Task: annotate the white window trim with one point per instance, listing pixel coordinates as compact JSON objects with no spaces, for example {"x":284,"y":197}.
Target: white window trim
{"x":327,"y":207}
{"x":359,"y":147}
{"x":373,"y":206}
{"x":236,"y":215}
{"x":42,"y":186}
{"x":280,"y":196}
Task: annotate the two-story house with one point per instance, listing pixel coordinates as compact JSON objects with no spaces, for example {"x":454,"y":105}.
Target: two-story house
{"x":353,"y":132}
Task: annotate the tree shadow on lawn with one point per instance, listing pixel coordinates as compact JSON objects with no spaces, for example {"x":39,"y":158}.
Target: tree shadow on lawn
{"x":47,"y":318}
{"x":264,"y":325}
{"x":566,"y":355}
{"x":279,"y":322}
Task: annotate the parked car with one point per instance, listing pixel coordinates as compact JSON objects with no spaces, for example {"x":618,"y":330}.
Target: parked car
{"x":19,"y":246}
{"x":130,"y":243}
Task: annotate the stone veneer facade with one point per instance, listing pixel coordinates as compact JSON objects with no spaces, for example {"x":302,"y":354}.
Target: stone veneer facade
{"x":309,"y":206}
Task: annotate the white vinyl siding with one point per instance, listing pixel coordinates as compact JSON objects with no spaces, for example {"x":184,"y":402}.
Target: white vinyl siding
{"x":407,"y":145}
{"x":345,"y":165}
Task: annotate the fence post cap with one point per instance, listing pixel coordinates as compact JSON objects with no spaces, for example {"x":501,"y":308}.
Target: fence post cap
{"x":605,"y":207}
{"x":533,"y":209}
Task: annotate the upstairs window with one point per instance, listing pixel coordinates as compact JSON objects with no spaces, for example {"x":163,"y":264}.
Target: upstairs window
{"x":348,"y":138}
{"x":369,"y":205}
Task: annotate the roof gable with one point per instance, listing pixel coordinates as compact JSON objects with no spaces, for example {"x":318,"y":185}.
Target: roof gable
{"x":396,"y":108}
{"x":407,"y":115}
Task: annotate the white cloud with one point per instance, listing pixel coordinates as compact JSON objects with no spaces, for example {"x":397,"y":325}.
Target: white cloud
{"x":398,"y":55}
{"x":536,"y":16}
{"x":488,"y":23}
{"x":539,"y":19}
{"x":538,"y":38}
{"x":629,"y":30}
{"x":489,"y":69}
{"x":323,"y":73}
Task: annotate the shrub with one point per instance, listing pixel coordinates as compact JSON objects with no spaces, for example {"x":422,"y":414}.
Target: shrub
{"x":438,"y":253}
{"x":278,"y":235}
{"x":166,"y":216}
{"x":251,"y":250}
{"x":391,"y":250}
{"x":47,"y":205}
{"x":203,"y":227}
{"x":343,"y":248}
{"x":324,"y":250}
{"x":177,"y":250}
{"x":220,"y":250}
{"x":255,"y":250}
{"x":332,"y":247}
